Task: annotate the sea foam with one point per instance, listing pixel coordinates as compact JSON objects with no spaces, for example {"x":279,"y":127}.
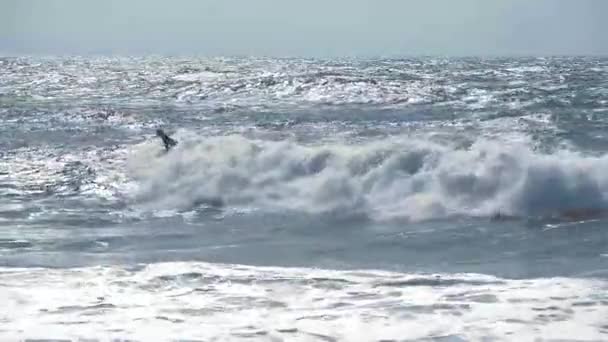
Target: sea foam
{"x":396,"y":178}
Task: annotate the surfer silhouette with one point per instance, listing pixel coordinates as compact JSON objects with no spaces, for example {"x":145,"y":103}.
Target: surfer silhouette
{"x":167,"y":140}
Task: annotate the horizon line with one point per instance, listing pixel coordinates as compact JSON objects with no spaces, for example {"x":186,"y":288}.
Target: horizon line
{"x":11,"y":54}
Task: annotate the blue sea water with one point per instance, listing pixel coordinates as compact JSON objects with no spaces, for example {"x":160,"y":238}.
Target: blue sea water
{"x":307,"y":200}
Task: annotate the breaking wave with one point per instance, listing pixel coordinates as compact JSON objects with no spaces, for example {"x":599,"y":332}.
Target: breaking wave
{"x":397,"y":178}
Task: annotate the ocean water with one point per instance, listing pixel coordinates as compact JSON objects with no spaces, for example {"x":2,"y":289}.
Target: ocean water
{"x":307,"y":200}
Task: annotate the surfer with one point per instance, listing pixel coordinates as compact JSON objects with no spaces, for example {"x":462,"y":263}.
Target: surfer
{"x":167,"y":140}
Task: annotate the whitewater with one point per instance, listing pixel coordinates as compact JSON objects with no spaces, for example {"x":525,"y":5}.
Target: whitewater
{"x":447,"y":199}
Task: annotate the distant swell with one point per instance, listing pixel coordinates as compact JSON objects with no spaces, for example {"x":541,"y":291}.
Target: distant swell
{"x":396,"y":178}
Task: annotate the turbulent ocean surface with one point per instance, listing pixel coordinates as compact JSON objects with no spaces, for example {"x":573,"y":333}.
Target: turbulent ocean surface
{"x":307,"y":200}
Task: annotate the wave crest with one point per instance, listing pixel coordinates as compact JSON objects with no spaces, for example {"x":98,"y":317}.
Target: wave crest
{"x":398,"y":178}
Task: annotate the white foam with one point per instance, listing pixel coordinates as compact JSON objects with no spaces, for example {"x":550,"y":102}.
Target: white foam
{"x":393,"y":178}
{"x":203,"y":76}
{"x":227,"y":302}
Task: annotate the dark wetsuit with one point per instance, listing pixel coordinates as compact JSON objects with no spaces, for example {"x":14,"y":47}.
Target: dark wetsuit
{"x":167,"y":141}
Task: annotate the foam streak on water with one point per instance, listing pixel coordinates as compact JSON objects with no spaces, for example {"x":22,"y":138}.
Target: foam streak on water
{"x":204,"y":302}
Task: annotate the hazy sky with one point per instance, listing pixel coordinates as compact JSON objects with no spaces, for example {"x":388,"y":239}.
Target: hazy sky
{"x":305,"y":27}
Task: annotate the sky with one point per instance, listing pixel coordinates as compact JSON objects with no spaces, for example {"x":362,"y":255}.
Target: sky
{"x":304,"y":27}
